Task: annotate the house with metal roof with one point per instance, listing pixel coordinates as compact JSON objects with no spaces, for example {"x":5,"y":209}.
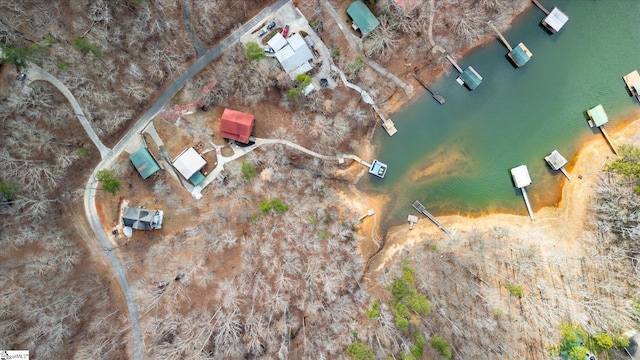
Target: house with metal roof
{"x":555,"y":20}
{"x":236,"y":125}
{"x":277,"y":42}
{"x":188,"y":164}
{"x":363,"y":18}
{"x":520,"y":55}
{"x":142,"y":219}
{"x":294,"y":56}
{"x":144,"y":162}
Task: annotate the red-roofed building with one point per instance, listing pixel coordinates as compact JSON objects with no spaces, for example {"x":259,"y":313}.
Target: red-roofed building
{"x":236,"y":125}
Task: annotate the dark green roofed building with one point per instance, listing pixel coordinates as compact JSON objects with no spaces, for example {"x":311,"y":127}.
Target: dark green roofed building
{"x":362,"y":17}
{"x":144,"y":162}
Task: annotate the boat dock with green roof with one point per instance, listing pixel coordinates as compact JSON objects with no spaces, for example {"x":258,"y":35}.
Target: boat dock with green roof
{"x":519,"y":55}
{"x":469,"y":77}
{"x":597,"y":118}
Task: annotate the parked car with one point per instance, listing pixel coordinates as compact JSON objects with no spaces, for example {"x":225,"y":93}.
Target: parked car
{"x":285,"y":32}
{"x":271,"y":25}
{"x":262,"y":32}
{"x":269,"y":50}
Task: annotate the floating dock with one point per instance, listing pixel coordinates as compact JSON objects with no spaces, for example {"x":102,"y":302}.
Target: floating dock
{"x":420,"y":208}
{"x":436,"y":95}
{"x":557,"y":162}
{"x":555,"y":19}
{"x":632,"y":80}
{"x":521,"y":179}
{"x":597,"y":118}
{"x":378,"y":169}
{"x":468,"y":77}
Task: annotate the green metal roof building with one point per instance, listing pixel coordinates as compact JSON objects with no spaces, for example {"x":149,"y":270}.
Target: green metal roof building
{"x":144,"y":162}
{"x":598,"y":116}
{"x":362,"y":17}
{"x":520,"y":55}
{"x":471,"y":78}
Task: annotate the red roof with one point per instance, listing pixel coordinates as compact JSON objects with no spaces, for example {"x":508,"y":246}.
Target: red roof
{"x":236,"y":125}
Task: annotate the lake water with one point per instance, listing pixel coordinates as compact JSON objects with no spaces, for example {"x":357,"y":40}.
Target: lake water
{"x":455,"y":158}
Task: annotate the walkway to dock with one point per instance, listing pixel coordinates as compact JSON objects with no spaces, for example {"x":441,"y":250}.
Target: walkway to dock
{"x":541,"y":7}
{"x":420,"y":208}
{"x":436,"y":95}
{"x":387,"y":124}
{"x":454,"y":63}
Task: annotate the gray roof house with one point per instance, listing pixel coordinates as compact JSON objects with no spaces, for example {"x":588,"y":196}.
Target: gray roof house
{"x":142,"y":219}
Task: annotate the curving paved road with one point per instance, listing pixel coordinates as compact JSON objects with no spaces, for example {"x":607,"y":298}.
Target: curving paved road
{"x":38,"y":73}
{"x":137,"y":340}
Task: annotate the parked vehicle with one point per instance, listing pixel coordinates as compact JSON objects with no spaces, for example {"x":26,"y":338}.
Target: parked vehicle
{"x":285,"y":32}
{"x":269,"y":50}
{"x":262,"y":32}
{"x":271,"y":25}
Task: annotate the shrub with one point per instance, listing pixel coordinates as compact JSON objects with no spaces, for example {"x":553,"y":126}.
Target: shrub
{"x":603,"y":341}
{"x":63,"y":65}
{"x":374,"y":312}
{"x":85,"y":46}
{"x":8,"y":190}
{"x":419,"y":304}
{"x":293,"y":93}
{"x":254,"y":52}
{"x":303,"y":80}
{"x":248,"y":171}
{"x":442,"y":346}
{"x":360,"y":351}
{"x":111,"y":186}
{"x":577,"y":353}
{"x":273,"y":204}
{"x":109,"y":183}
{"x":515,"y":290}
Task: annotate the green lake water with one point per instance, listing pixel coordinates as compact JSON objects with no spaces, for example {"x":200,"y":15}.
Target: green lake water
{"x":455,"y":158}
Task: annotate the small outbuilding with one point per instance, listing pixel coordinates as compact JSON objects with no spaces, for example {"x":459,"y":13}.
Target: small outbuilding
{"x":144,"y":162}
{"x":363,"y":18}
{"x":142,"y":219}
{"x":188,"y":164}
{"x":236,"y":125}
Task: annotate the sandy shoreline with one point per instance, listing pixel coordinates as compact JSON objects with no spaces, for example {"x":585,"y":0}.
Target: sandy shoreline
{"x":560,"y":226}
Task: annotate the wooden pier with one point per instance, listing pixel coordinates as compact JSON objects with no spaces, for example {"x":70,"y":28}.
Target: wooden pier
{"x":436,"y":95}
{"x":420,"y":208}
{"x":454,"y":63}
{"x":541,"y":7}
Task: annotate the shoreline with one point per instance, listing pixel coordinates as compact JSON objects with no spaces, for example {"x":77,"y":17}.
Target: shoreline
{"x":560,"y":225}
